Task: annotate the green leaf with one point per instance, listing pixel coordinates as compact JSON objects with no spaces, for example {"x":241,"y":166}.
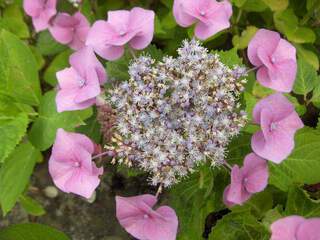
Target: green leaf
{"x":31,"y":231}
{"x":91,"y":128}
{"x":271,"y":216}
{"x":299,"y":203}
{"x":118,"y":70}
{"x":238,"y":3}
{"x":43,"y":131}
{"x":287,"y":23}
{"x":12,"y":129}
{"x":40,"y":60}
{"x":277,"y":5}
{"x":194,"y":198}
{"x":17,"y":27}
{"x":230,"y":57}
{"x":239,"y":226}
{"x":60,"y":62}
{"x":316,"y":93}
{"x":18,"y":70}
{"x":306,"y":78}
{"x":308,"y":56}
{"x":258,"y":204}
{"x":31,"y":206}
{"x":254,"y":6}
{"x":15,"y":174}
{"x":241,"y":42}
{"x":238,"y":149}
{"x":302,"y":166}
{"x":47,"y":46}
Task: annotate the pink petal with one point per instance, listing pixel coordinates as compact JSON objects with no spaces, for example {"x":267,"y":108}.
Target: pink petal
{"x":162,"y":228}
{"x":286,"y":228}
{"x":85,"y":58}
{"x":33,"y":7}
{"x":283,"y":77}
{"x":204,"y":31}
{"x":276,"y":103}
{"x":81,"y":32}
{"x":237,"y":193}
{"x":41,"y":20}
{"x":142,"y":22}
{"x":225,"y":197}
{"x":62,"y":28}
{"x":99,"y":37}
{"x":268,"y":40}
{"x":182,"y":18}
{"x":83,"y":183}
{"x":277,"y":148}
{"x":309,"y":229}
{"x":256,"y":173}
{"x":284,"y":51}
{"x":135,"y":214}
{"x":65,"y":101}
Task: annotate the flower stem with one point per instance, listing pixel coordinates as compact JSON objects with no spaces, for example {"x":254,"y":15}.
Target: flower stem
{"x":159,"y":190}
{"x":100,"y":155}
{"x":132,"y":53}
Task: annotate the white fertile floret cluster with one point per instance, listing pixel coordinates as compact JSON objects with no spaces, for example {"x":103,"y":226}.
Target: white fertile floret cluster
{"x":176,"y":114}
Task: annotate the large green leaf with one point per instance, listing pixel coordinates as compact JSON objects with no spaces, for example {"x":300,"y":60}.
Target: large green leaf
{"x":31,"y":231}
{"x":306,"y":78}
{"x":242,"y":41}
{"x":277,"y":5}
{"x":287,"y":22}
{"x":195,"y":198}
{"x":302,"y":166}
{"x":239,"y":226}
{"x":12,"y":129}
{"x":43,"y":131}
{"x":18,"y":70}
{"x":47,"y":45}
{"x":299,"y":203}
{"x":15,"y":174}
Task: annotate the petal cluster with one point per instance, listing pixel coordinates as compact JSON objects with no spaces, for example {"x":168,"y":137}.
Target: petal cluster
{"x":275,"y":59}
{"x":279,"y":123}
{"x":296,"y":227}
{"x":79,"y":85}
{"x":137,"y":216}
{"x":71,"y":166}
{"x":210,"y":16}
{"x":70,"y":30}
{"x":41,"y":12}
{"x":134,"y":27}
{"x":245,"y":181}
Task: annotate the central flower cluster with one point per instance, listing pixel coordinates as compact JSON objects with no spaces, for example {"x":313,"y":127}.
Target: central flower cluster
{"x":175,"y":114}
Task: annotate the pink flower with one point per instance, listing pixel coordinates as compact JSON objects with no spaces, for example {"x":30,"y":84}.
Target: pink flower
{"x":210,"y":16}
{"x":135,"y":27}
{"x":296,"y":227}
{"x":245,"y":181}
{"x":279,"y":122}
{"x":71,"y":30}
{"x":138,"y":218}
{"x":70,"y":164}
{"x":79,"y":85}
{"x":41,"y":12}
{"x":309,"y":229}
{"x":275,"y":58}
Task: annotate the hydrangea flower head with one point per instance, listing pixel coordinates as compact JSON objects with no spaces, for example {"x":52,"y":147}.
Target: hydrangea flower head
{"x":275,"y":58}
{"x":134,"y":27}
{"x":176,"y":114}
{"x":70,"y":164}
{"x":279,"y":122}
{"x":210,"y":16}
{"x":41,"y":12}
{"x":79,"y":85}
{"x":245,"y":181}
{"x":70,"y":30}
{"x":136,"y":215}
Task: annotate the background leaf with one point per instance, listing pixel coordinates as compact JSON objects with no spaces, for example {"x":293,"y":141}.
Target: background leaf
{"x":15,"y":174}
{"x":43,"y":131}
{"x":31,"y":231}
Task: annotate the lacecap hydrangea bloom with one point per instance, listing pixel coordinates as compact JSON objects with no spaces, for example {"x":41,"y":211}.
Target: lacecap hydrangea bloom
{"x":175,"y":114}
